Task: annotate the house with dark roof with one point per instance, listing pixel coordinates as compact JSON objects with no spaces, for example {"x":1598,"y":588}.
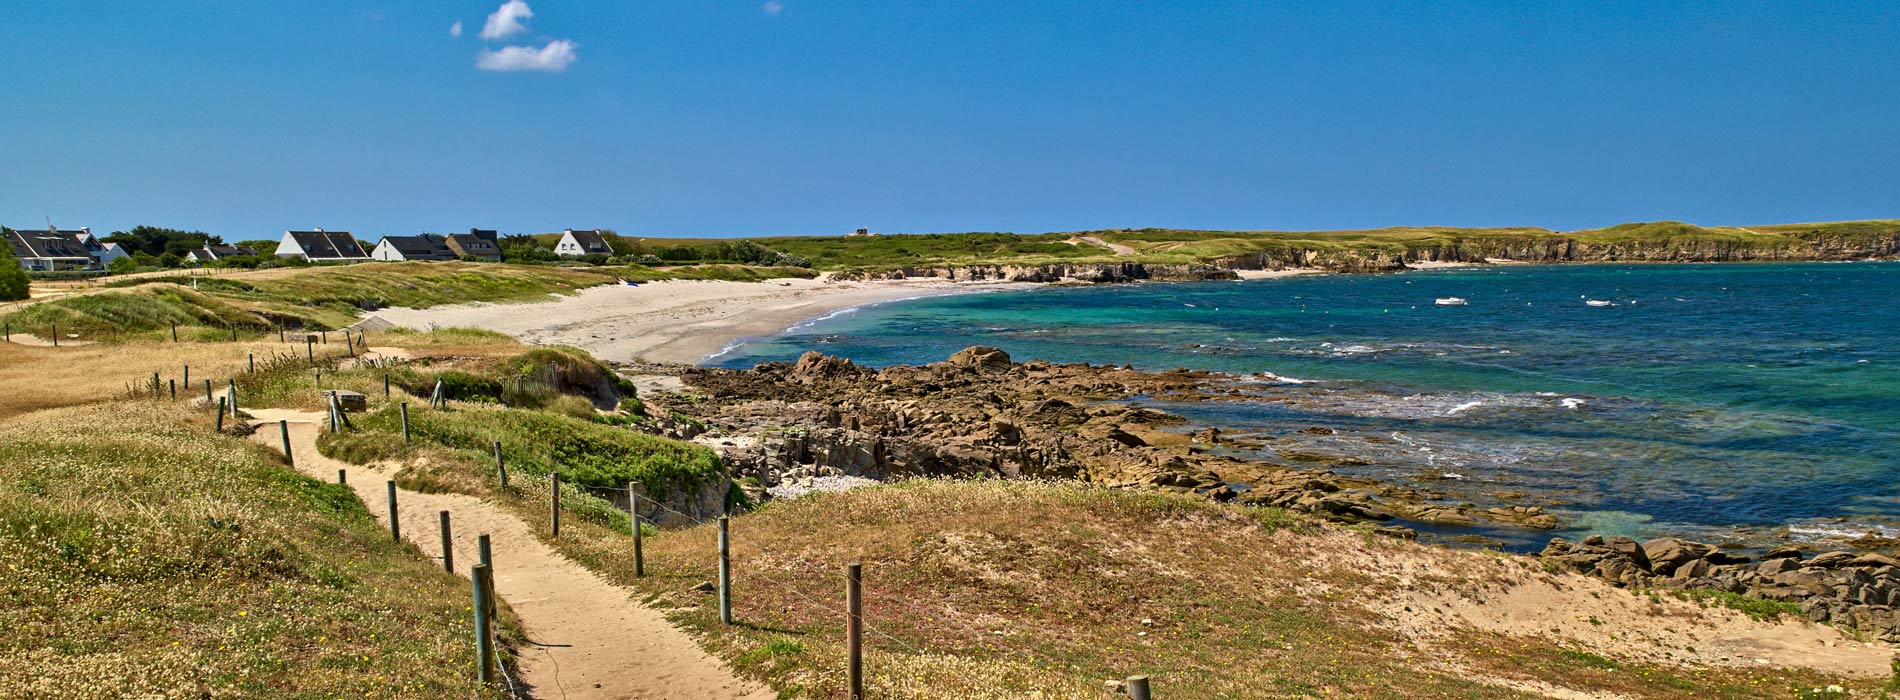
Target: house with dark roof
{"x":321,"y":246}
{"x":576,"y":244}
{"x":218,"y":252}
{"x":52,"y":249}
{"x":427,"y":246}
{"x":480,"y":244}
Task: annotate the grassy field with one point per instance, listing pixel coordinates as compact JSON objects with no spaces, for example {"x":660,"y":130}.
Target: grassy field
{"x":149,"y":557}
{"x":1158,"y":245}
{"x":1016,"y":589}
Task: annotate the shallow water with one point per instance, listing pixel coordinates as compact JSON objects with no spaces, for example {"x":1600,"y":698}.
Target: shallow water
{"x":1712,"y":400}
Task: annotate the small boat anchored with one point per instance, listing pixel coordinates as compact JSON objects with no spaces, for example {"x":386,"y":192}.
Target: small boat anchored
{"x":1451,"y":301}
{"x":1599,"y":302}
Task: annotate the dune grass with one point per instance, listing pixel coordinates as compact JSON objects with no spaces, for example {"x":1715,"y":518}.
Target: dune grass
{"x":315,"y":298}
{"x":149,"y":557}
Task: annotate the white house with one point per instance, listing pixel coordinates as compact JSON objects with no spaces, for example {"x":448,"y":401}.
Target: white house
{"x":52,"y":249}
{"x":423,"y":247}
{"x":109,"y":252}
{"x":217,"y":252}
{"x":321,"y":246}
{"x":576,"y":244}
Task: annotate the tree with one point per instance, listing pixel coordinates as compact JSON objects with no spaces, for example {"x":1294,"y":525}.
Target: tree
{"x":13,"y":279}
{"x":156,"y":241}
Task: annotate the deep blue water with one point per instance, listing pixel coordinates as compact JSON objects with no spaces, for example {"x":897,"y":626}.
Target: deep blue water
{"x":1711,"y":400}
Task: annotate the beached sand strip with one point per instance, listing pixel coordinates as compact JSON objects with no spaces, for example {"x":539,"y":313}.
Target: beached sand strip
{"x":590,"y":639}
{"x":678,"y":322}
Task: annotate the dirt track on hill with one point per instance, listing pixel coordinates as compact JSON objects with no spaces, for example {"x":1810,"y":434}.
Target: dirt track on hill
{"x":589,"y":638}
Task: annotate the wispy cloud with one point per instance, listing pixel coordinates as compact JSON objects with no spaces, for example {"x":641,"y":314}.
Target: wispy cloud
{"x":456,"y":29}
{"x":552,"y":58}
{"x":773,"y":7}
{"x":506,"y":20}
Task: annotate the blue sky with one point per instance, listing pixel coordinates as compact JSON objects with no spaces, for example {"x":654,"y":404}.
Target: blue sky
{"x":802,"y":117}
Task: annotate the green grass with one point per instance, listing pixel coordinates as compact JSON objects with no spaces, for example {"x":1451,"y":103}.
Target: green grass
{"x":535,"y":443}
{"x":1758,"y":608}
{"x":837,"y":252}
{"x":148,"y":557}
{"x":317,"y":298}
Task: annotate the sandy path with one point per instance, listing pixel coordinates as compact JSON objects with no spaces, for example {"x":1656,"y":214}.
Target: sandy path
{"x":674,"y":321}
{"x":591,"y":640}
{"x":1117,"y":247}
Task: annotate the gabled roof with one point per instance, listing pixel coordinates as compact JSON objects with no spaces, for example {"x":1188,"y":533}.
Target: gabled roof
{"x":328,"y":245}
{"x":424,"y":247}
{"x":475,"y":242}
{"x":48,"y":244}
{"x":215,"y":252}
{"x":591,"y":241}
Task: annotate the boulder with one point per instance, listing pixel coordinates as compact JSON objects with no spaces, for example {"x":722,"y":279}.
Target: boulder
{"x":1630,"y":551}
{"x":1830,"y":560}
{"x":1872,"y":561}
{"x":1667,"y":553}
{"x":982,"y":359}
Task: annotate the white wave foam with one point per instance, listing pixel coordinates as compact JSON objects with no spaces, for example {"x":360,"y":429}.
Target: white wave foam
{"x":1464,"y":407}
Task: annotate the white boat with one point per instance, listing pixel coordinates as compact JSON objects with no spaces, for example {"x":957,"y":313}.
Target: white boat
{"x":1599,"y":302}
{"x":1450,"y":301}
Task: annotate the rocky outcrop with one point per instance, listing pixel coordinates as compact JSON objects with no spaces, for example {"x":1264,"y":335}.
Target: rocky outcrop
{"x":1859,"y":591}
{"x":979,"y":414}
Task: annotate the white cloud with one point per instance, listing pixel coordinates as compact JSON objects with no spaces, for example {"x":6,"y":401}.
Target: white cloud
{"x":773,"y":7}
{"x":552,"y":58}
{"x":506,"y":20}
{"x":456,"y":29}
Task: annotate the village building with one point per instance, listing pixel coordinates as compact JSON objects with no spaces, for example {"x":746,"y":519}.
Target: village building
{"x":576,"y":244}
{"x":217,"y":252}
{"x":411,"y":248}
{"x":53,"y":249}
{"x":477,"y":244}
{"x":321,"y":246}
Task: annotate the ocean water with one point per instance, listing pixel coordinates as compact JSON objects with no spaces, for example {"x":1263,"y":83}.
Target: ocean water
{"x":1733,"y":402}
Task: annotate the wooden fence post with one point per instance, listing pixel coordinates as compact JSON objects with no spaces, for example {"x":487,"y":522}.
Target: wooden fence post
{"x":482,"y":553}
{"x":155,"y":385}
{"x":385,"y":385}
{"x":480,"y":580}
{"x":234,"y":334}
{"x":405,"y":422}
{"x":283,"y":429}
{"x":1137,"y":687}
{"x":9,"y":331}
{"x":725,"y":570}
{"x":187,"y":380}
{"x":220,"y":427}
{"x":252,"y":358}
{"x":633,"y":514}
{"x":234,"y":408}
{"x":173,"y":383}
{"x":55,"y":334}
{"x":342,"y":477}
{"x":326,"y":337}
{"x":208,"y":393}
{"x":281,"y":338}
{"x":309,"y":350}
{"x":174,"y":332}
{"x":448,"y":545}
{"x":554,"y":502}
{"x":854,"y":628}
{"x":395,"y":523}
{"x":501,"y":468}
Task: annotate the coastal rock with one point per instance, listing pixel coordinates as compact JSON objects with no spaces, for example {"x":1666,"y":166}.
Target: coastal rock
{"x":981,"y":359}
{"x":1667,"y":553}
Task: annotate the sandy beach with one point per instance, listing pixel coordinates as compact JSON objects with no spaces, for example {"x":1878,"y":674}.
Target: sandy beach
{"x":675,"y":321}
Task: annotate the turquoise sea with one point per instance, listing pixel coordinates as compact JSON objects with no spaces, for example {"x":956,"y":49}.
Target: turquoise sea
{"x":1733,"y":402}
